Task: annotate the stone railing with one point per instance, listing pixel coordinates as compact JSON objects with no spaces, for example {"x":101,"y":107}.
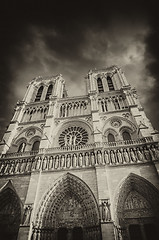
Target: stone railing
{"x":74,"y":107}
{"x":80,"y":159}
{"x":112,"y":103}
{"x":77,"y":148}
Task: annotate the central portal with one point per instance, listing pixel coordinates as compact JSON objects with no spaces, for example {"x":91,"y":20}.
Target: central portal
{"x":69,"y":211}
{"x":70,"y":234}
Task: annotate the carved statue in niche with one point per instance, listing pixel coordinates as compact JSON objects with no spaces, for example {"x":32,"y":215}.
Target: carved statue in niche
{"x":106,"y":216}
{"x":132,"y":155}
{"x":99,"y":157}
{"x":62,"y":161}
{"x":112,"y":156}
{"x":38,"y":163}
{"x":106,"y":157}
{"x":27,"y":215}
{"x":147,"y":154}
{"x":155,"y":152}
{"x":139,"y":155}
{"x":126,"y":156}
{"x":68,"y":161}
{"x":80,"y":160}
{"x":119,"y":156}
{"x":74,"y":160}
{"x":151,"y":150}
{"x":92,"y":159}
{"x":86,"y":159}
{"x":44,"y":163}
{"x":56,"y":162}
{"x":12,"y":168}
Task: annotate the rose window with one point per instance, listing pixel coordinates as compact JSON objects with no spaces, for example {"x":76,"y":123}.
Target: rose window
{"x":73,"y":136}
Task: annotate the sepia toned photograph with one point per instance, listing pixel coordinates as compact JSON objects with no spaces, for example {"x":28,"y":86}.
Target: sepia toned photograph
{"x":79,"y":120}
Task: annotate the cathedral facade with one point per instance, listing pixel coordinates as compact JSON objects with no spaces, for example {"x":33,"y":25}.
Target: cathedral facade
{"x":84,"y":167}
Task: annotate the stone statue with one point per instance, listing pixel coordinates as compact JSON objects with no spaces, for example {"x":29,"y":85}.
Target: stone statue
{"x":56,"y":162}
{"x":106,"y":157}
{"x":27,"y":215}
{"x":99,"y":157}
{"x":74,"y":160}
{"x":139,"y":155}
{"x":119,"y":156}
{"x":86,"y":159}
{"x":112,"y":156}
{"x":62,"y":161}
{"x":126,"y":156}
{"x":147,"y":154}
{"x":68,"y":161}
{"x":80,"y":160}
{"x":106,"y":211}
{"x":132,"y":155}
{"x":92,"y":159}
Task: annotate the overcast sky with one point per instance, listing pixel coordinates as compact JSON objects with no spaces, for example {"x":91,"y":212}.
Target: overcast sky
{"x":72,"y":37}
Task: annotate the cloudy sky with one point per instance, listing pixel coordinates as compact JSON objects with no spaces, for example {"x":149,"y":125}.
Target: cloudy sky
{"x":43,"y":38}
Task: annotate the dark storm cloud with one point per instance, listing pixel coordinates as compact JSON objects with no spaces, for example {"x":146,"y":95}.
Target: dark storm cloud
{"x":71,"y":38}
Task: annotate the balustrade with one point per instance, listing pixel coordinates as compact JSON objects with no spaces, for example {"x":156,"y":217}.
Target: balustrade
{"x":35,"y":112}
{"x":80,"y":159}
{"x":112,"y":103}
{"x":74,"y":108}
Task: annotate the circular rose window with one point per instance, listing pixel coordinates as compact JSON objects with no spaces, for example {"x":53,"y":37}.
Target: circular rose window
{"x":73,"y":136}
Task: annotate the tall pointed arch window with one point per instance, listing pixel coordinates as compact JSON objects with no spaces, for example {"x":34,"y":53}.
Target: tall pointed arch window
{"x":111,"y":137}
{"x":126,"y":136}
{"x":110,"y":83}
{"x":22,"y":147}
{"x":35,"y":146}
{"x":39,"y":93}
{"x":49,"y":91}
{"x":100,"y":85}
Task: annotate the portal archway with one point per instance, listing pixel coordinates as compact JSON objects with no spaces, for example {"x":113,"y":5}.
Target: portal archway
{"x":10,"y":213}
{"x":69,"y":205}
{"x":138,"y":209}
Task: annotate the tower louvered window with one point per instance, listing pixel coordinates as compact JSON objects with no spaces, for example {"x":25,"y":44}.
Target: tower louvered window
{"x":110,"y":83}
{"x":100,"y":85}
{"x":39,"y":93}
{"x":49,"y":91}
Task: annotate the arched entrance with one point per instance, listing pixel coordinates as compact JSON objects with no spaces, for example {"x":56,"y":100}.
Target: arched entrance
{"x":68,"y":211}
{"x":138,"y":210}
{"x":10,"y":213}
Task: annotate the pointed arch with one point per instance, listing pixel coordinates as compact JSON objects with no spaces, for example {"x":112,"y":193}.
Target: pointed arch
{"x":142,"y":187}
{"x":68,"y":195}
{"x":100,"y":85}
{"x":137,"y":209}
{"x":39,"y":93}
{"x":49,"y":91}
{"x":10,"y":212}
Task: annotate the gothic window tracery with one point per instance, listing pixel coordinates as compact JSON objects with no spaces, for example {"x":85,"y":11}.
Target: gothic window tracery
{"x":111,"y":137}
{"x":35,"y":146}
{"x":22,"y":147}
{"x":110,"y":83}
{"x":126,"y":136}
{"x":100,"y":85}
{"x":39,"y":93}
{"x":49,"y":91}
{"x":73,"y":136}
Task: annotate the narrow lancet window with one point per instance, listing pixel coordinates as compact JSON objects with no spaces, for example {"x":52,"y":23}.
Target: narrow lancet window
{"x":111,"y":138}
{"x":126,"y":136}
{"x":49,"y":91}
{"x":35,"y":146}
{"x":39,"y":93}
{"x":100,"y":85}
{"x":110,"y":83}
{"x":22,"y":147}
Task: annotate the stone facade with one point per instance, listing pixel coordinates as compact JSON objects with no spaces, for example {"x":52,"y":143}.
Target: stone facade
{"x":83,"y":167}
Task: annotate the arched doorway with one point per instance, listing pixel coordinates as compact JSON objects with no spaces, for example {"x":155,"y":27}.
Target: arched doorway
{"x":138,"y":209}
{"x":70,"y":209}
{"x":10,"y":213}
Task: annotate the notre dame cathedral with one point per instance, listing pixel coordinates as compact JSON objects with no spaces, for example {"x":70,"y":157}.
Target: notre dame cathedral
{"x":80,"y":168}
